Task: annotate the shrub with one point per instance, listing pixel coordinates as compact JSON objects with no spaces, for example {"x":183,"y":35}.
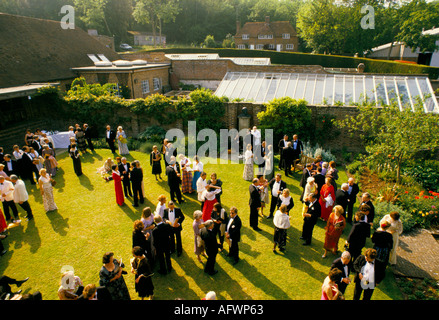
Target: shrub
{"x":356,"y":167}
{"x":426,"y":173}
{"x":424,"y":207}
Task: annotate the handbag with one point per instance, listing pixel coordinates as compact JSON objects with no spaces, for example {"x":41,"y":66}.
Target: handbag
{"x":52,"y":182}
{"x":200,"y":242}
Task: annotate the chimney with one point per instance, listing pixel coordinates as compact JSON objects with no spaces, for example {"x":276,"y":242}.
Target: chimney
{"x":267,"y":20}
{"x":238,"y":26}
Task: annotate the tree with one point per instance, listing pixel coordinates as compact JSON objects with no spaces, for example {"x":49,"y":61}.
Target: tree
{"x":393,"y":137}
{"x":209,"y":41}
{"x":286,"y":116}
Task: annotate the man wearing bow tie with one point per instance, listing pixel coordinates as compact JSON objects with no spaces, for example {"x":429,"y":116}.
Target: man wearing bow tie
{"x":344,"y":264}
{"x":110,"y":137}
{"x":124,"y":169}
{"x":370,"y":272}
{"x":310,"y":218}
{"x":276,"y":187}
{"x":11,"y":166}
{"x":174,"y":217}
{"x":7,"y":198}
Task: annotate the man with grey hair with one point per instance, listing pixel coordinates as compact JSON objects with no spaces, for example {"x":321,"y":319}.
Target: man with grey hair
{"x":353,"y":190}
{"x":174,"y":179}
{"x":21,"y":196}
{"x":344,"y":264}
{"x":124,"y":169}
{"x":161,"y":235}
{"x":211,"y":246}
{"x":342,"y":197}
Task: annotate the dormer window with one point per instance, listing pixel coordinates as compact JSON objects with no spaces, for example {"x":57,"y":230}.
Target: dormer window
{"x":265,"y":36}
{"x":245,"y":36}
{"x":285,"y":35}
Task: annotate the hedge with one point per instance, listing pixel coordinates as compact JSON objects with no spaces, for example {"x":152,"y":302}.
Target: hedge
{"x":327,"y":61}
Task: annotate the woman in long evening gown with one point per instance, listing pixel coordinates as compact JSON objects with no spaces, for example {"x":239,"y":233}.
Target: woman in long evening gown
{"x":334,"y":228}
{"x":155,"y":162}
{"x":325,"y":203}
{"x":111,"y":277}
{"x":46,"y":188}
{"x":329,"y":288}
{"x":197,"y":168}
{"x":74,"y":154}
{"x":122,"y":141}
{"x":118,"y":185}
{"x":186,"y":182}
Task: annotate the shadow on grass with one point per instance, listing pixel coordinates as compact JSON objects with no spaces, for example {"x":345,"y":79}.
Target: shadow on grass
{"x":85,"y":182}
{"x":59,"y":224}
{"x":30,"y":236}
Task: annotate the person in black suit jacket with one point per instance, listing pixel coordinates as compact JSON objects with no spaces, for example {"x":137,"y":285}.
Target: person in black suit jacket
{"x":210,"y":245}
{"x":174,"y":217}
{"x":276,"y":186}
{"x":160,"y":237}
{"x":136,"y":177}
{"x":319,"y":179}
{"x":364,"y":282}
{"x":174,"y":179}
{"x":297,"y":146}
{"x":11,"y":166}
{"x":356,"y":239}
{"x":233,"y":233}
{"x":353,"y":190}
{"x":255,"y":204}
{"x":124,"y":169}
{"x":344,"y":263}
{"x":288,"y":158}
{"x":342,"y":197}
{"x":87,"y":136}
{"x":110,"y":137}
{"x":310,"y":217}
{"x":281,"y":145}
{"x":370,"y":215}
{"x":28,"y":167}
{"x":36,"y":144}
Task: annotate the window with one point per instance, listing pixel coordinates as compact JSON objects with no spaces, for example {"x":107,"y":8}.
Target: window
{"x":241,"y":46}
{"x":259,"y":46}
{"x":145,"y":86}
{"x":290,"y":46}
{"x":265,"y":36}
{"x":285,"y":35}
{"x":156,"y":83}
{"x":245,"y":37}
{"x":117,"y":90}
{"x":271,"y":46}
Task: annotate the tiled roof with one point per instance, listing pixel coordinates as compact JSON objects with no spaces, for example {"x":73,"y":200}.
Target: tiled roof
{"x":276,"y":28}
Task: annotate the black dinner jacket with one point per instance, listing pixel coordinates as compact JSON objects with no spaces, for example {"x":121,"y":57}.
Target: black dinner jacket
{"x":353,"y":196}
{"x":178,"y":214}
{"x":299,"y":146}
{"x":357,"y":236}
{"x":315,"y":210}
{"x":173,"y":179}
{"x":281,"y":145}
{"x":136,"y":175}
{"x":14,"y":164}
{"x":379,"y":269}
{"x":255,"y":196}
{"x":112,"y":135}
{"x":338,"y":264}
{"x":210,"y":242}
{"x":341,"y":198}
{"x":126,"y":176}
{"x":160,"y":236}
{"x":235,"y":229}
{"x":305,"y":175}
{"x":283,"y":185}
{"x":288,"y":155}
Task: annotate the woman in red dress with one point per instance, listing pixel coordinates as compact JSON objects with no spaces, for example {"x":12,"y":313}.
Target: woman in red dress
{"x":327,"y":189}
{"x":3,"y":224}
{"x":209,"y":200}
{"x":118,"y":185}
{"x":334,"y":229}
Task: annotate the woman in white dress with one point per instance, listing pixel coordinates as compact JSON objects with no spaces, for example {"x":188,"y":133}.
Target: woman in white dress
{"x":45,"y":183}
{"x":161,"y":206}
{"x":122,"y":141}
{"x":395,"y":229}
{"x":268,"y":168}
{"x":248,"y":164}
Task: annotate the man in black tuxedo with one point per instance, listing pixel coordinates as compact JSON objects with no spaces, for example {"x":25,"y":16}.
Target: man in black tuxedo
{"x":174,"y":179}
{"x":211,"y":247}
{"x":110,"y":137}
{"x":356,"y":239}
{"x":297,"y":146}
{"x":344,"y":263}
{"x":342,"y":197}
{"x":370,"y":272}
{"x":366,"y":200}
{"x":136,"y":177}
{"x":276,"y":186}
{"x":233,"y":233}
{"x":255,"y":204}
{"x":310,"y":218}
{"x":288,"y":158}
{"x":87,"y":136}
{"x":319,"y":179}
{"x":281,"y":145}
{"x":174,"y":217}
{"x":306,"y":173}
{"x":11,"y":166}
{"x":160,"y":237}
{"x":36,"y":144}
{"x":353,"y":190}
{"x":124,"y":169}
{"x":28,"y":168}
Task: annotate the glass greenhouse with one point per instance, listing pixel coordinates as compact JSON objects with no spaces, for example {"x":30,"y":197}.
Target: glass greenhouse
{"x":330,"y":89}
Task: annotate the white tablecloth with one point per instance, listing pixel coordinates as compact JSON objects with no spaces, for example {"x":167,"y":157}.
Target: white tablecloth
{"x":60,"y":140}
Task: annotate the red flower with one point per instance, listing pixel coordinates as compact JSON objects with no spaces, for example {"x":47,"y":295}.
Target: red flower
{"x":425,"y":197}
{"x":406,"y":192}
{"x":416,"y":197}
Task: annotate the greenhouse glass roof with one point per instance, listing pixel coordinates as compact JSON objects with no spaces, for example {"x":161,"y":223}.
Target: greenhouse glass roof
{"x":330,"y":89}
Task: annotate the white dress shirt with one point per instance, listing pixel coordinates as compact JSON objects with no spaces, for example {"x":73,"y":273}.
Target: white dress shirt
{"x":201,"y":186}
{"x":276,"y":187}
{"x":7,"y":188}
{"x":20,"y":193}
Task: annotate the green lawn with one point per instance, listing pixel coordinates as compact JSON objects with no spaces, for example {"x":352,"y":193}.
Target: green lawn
{"x":89,"y":223}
